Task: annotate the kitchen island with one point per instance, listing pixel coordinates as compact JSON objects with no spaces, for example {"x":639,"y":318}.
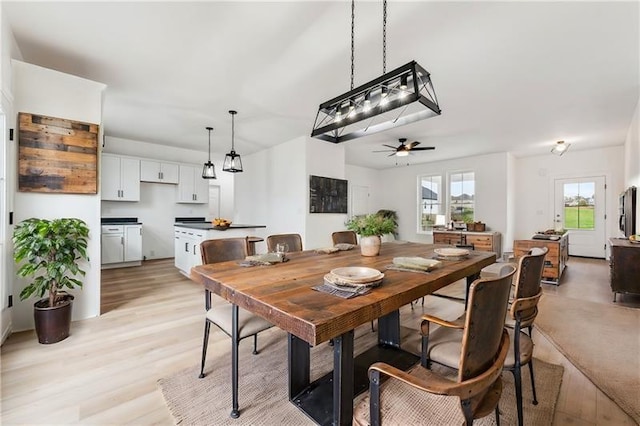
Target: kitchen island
{"x":189,"y":235}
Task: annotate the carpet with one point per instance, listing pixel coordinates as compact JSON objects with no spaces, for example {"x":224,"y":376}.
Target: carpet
{"x":602,"y":341}
{"x":263,"y":386}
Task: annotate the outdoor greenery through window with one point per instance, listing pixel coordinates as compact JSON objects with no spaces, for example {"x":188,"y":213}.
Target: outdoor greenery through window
{"x":579,"y":203}
{"x":462,"y":196}
{"x":430,"y":201}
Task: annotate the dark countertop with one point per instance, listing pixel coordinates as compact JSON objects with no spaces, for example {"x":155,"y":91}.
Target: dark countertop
{"x":206,"y":226}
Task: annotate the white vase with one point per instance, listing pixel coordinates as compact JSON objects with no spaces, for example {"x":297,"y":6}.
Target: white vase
{"x":370,"y":246}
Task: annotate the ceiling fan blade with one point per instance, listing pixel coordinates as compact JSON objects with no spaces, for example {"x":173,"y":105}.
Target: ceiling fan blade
{"x":413,"y":144}
{"x":424,"y":148}
{"x":391,"y":155}
{"x":386,"y":150}
{"x":389,"y":146}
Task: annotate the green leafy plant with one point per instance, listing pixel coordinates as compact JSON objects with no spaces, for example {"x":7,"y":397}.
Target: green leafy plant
{"x":50,"y":250}
{"x":371,"y":224}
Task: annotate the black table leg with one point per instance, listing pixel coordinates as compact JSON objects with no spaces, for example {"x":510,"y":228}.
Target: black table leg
{"x":235,"y":412}
{"x":343,"y":365}
{"x":389,"y":329}
{"x":299,"y":366}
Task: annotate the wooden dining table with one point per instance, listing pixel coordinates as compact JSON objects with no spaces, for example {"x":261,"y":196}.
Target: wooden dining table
{"x":283,"y":294}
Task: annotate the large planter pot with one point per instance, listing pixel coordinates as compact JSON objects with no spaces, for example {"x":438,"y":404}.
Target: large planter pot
{"x":52,"y":323}
{"x":370,"y":246}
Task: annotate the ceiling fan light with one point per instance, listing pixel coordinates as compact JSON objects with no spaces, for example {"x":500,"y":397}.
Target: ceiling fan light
{"x":402,"y":153}
{"x":560,"y":148}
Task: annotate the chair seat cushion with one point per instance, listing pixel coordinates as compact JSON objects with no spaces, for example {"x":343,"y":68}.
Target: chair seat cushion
{"x":248,"y":323}
{"x":526,"y":349}
{"x":402,"y":404}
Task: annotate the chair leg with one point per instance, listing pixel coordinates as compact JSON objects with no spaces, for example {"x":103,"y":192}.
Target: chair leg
{"x":517,"y":378}
{"x":235,"y":412}
{"x":205,"y":343}
{"x":467,"y":411}
{"x":255,"y":344}
{"x":533,"y":383}
{"x":497,"y":414}
{"x":373,"y":330}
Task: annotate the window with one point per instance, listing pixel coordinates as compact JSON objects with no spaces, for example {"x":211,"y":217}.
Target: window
{"x":462,"y":196}
{"x":430,"y":202}
{"x":579,"y":202}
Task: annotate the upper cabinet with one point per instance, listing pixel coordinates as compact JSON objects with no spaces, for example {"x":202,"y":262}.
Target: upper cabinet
{"x":157,"y":171}
{"x":191,"y":187}
{"x":120,"y":178}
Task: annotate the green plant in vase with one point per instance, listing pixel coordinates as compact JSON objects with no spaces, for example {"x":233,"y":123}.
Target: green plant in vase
{"x":370,"y":227}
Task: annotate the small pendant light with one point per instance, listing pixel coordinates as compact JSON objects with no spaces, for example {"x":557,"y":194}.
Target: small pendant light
{"x":232,"y":161}
{"x":209,"y":170}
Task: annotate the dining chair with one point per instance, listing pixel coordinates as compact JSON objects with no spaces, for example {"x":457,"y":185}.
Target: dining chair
{"x":233,"y":321}
{"x":480,"y":358}
{"x":521,"y":315}
{"x":341,"y":237}
{"x":293,"y":241}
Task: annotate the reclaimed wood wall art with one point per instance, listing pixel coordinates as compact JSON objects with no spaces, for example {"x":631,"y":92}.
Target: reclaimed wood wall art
{"x":327,"y":195}
{"x":57,"y":155}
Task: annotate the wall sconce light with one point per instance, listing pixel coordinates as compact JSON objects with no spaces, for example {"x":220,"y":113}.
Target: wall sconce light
{"x":560,"y":147}
{"x":209,"y":170}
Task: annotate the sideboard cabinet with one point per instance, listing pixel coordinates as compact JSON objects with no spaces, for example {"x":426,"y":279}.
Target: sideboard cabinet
{"x":625,"y":266}
{"x":554,"y":262}
{"x":482,"y":241}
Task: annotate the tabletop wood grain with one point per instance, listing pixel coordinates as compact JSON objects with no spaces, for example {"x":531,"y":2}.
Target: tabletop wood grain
{"x":283,"y":294}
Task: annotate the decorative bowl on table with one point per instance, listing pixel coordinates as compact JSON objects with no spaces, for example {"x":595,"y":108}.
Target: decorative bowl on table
{"x":634,"y":238}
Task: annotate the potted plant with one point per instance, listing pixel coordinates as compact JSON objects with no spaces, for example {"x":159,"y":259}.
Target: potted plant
{"x":50,"y":251}
{"x":370,"y":227}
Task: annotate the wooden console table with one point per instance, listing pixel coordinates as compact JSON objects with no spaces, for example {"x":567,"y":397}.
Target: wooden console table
{"x":482,"y":241}
{"x":554,"y":262}
{"x":625,"y":266}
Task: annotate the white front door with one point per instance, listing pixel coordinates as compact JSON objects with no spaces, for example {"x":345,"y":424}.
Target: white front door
{"x":580,"y":209}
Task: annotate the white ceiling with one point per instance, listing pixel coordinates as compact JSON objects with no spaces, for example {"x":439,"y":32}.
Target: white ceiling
{"x":509,"y":76}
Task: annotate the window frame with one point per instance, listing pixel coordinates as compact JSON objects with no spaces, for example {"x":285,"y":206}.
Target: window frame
{"x":450,"y":181}
{"x":442,"y":198}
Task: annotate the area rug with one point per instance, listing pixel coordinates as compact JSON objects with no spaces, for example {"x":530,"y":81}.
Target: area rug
{"x":602,"y":341}
{"x":263,"y":386}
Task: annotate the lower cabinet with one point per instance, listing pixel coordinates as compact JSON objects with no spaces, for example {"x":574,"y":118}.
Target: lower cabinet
{"x":554,"y":262}
{"x":625,"y":266}
{"x":121,"y":245}
{"x":187,"y":248}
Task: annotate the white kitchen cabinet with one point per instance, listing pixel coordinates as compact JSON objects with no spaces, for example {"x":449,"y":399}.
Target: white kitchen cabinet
{"x":120,"y":178}
{"x":191,"y":187}
{"x":121,"y":245}
{"x":187,"y":248}
{"x":158,"y":171}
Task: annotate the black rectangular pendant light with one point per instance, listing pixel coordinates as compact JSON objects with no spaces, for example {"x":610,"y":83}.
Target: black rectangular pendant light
{"x":399,"y":97}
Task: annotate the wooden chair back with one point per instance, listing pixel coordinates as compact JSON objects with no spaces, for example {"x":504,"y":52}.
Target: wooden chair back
{"x":348,"y":237}
{"x":224,"y":249}
{"x":293,"y":241}
{"x":527,"y":282}
{"x":484,"y":323}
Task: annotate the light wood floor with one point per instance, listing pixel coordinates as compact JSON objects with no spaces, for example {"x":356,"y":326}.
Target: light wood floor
{"x":151,"y":326}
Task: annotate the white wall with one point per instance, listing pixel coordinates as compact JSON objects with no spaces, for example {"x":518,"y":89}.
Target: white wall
{"x":399,"y":188}
{"x":319,"y":226}
{"x":534,"y":185}
{"x":157,"y":208}
{"x":272,"y":190}
{"x":632,"y":157}
{"x":363,"y":176}
{"x":39,"y":90}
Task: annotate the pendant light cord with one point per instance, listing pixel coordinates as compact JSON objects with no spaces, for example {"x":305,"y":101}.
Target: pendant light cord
{"x":353,"y":18}
{"x":384,"y":36}
{"x":233,"y":131}
{"x":209,"y":143}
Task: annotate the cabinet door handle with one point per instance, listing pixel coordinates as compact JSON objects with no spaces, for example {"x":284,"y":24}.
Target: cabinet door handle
{"x":186,"y":247}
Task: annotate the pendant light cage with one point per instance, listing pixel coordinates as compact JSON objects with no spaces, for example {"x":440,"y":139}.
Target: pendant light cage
{"x":232,"y":161}
{"x":209,"y":170}
{"x":398,"y":97}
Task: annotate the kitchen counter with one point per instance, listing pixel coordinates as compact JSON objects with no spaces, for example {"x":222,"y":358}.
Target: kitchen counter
{"x":208,"y":226}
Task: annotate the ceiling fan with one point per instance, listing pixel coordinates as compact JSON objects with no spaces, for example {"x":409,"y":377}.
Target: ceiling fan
{"x":404,"y":149}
